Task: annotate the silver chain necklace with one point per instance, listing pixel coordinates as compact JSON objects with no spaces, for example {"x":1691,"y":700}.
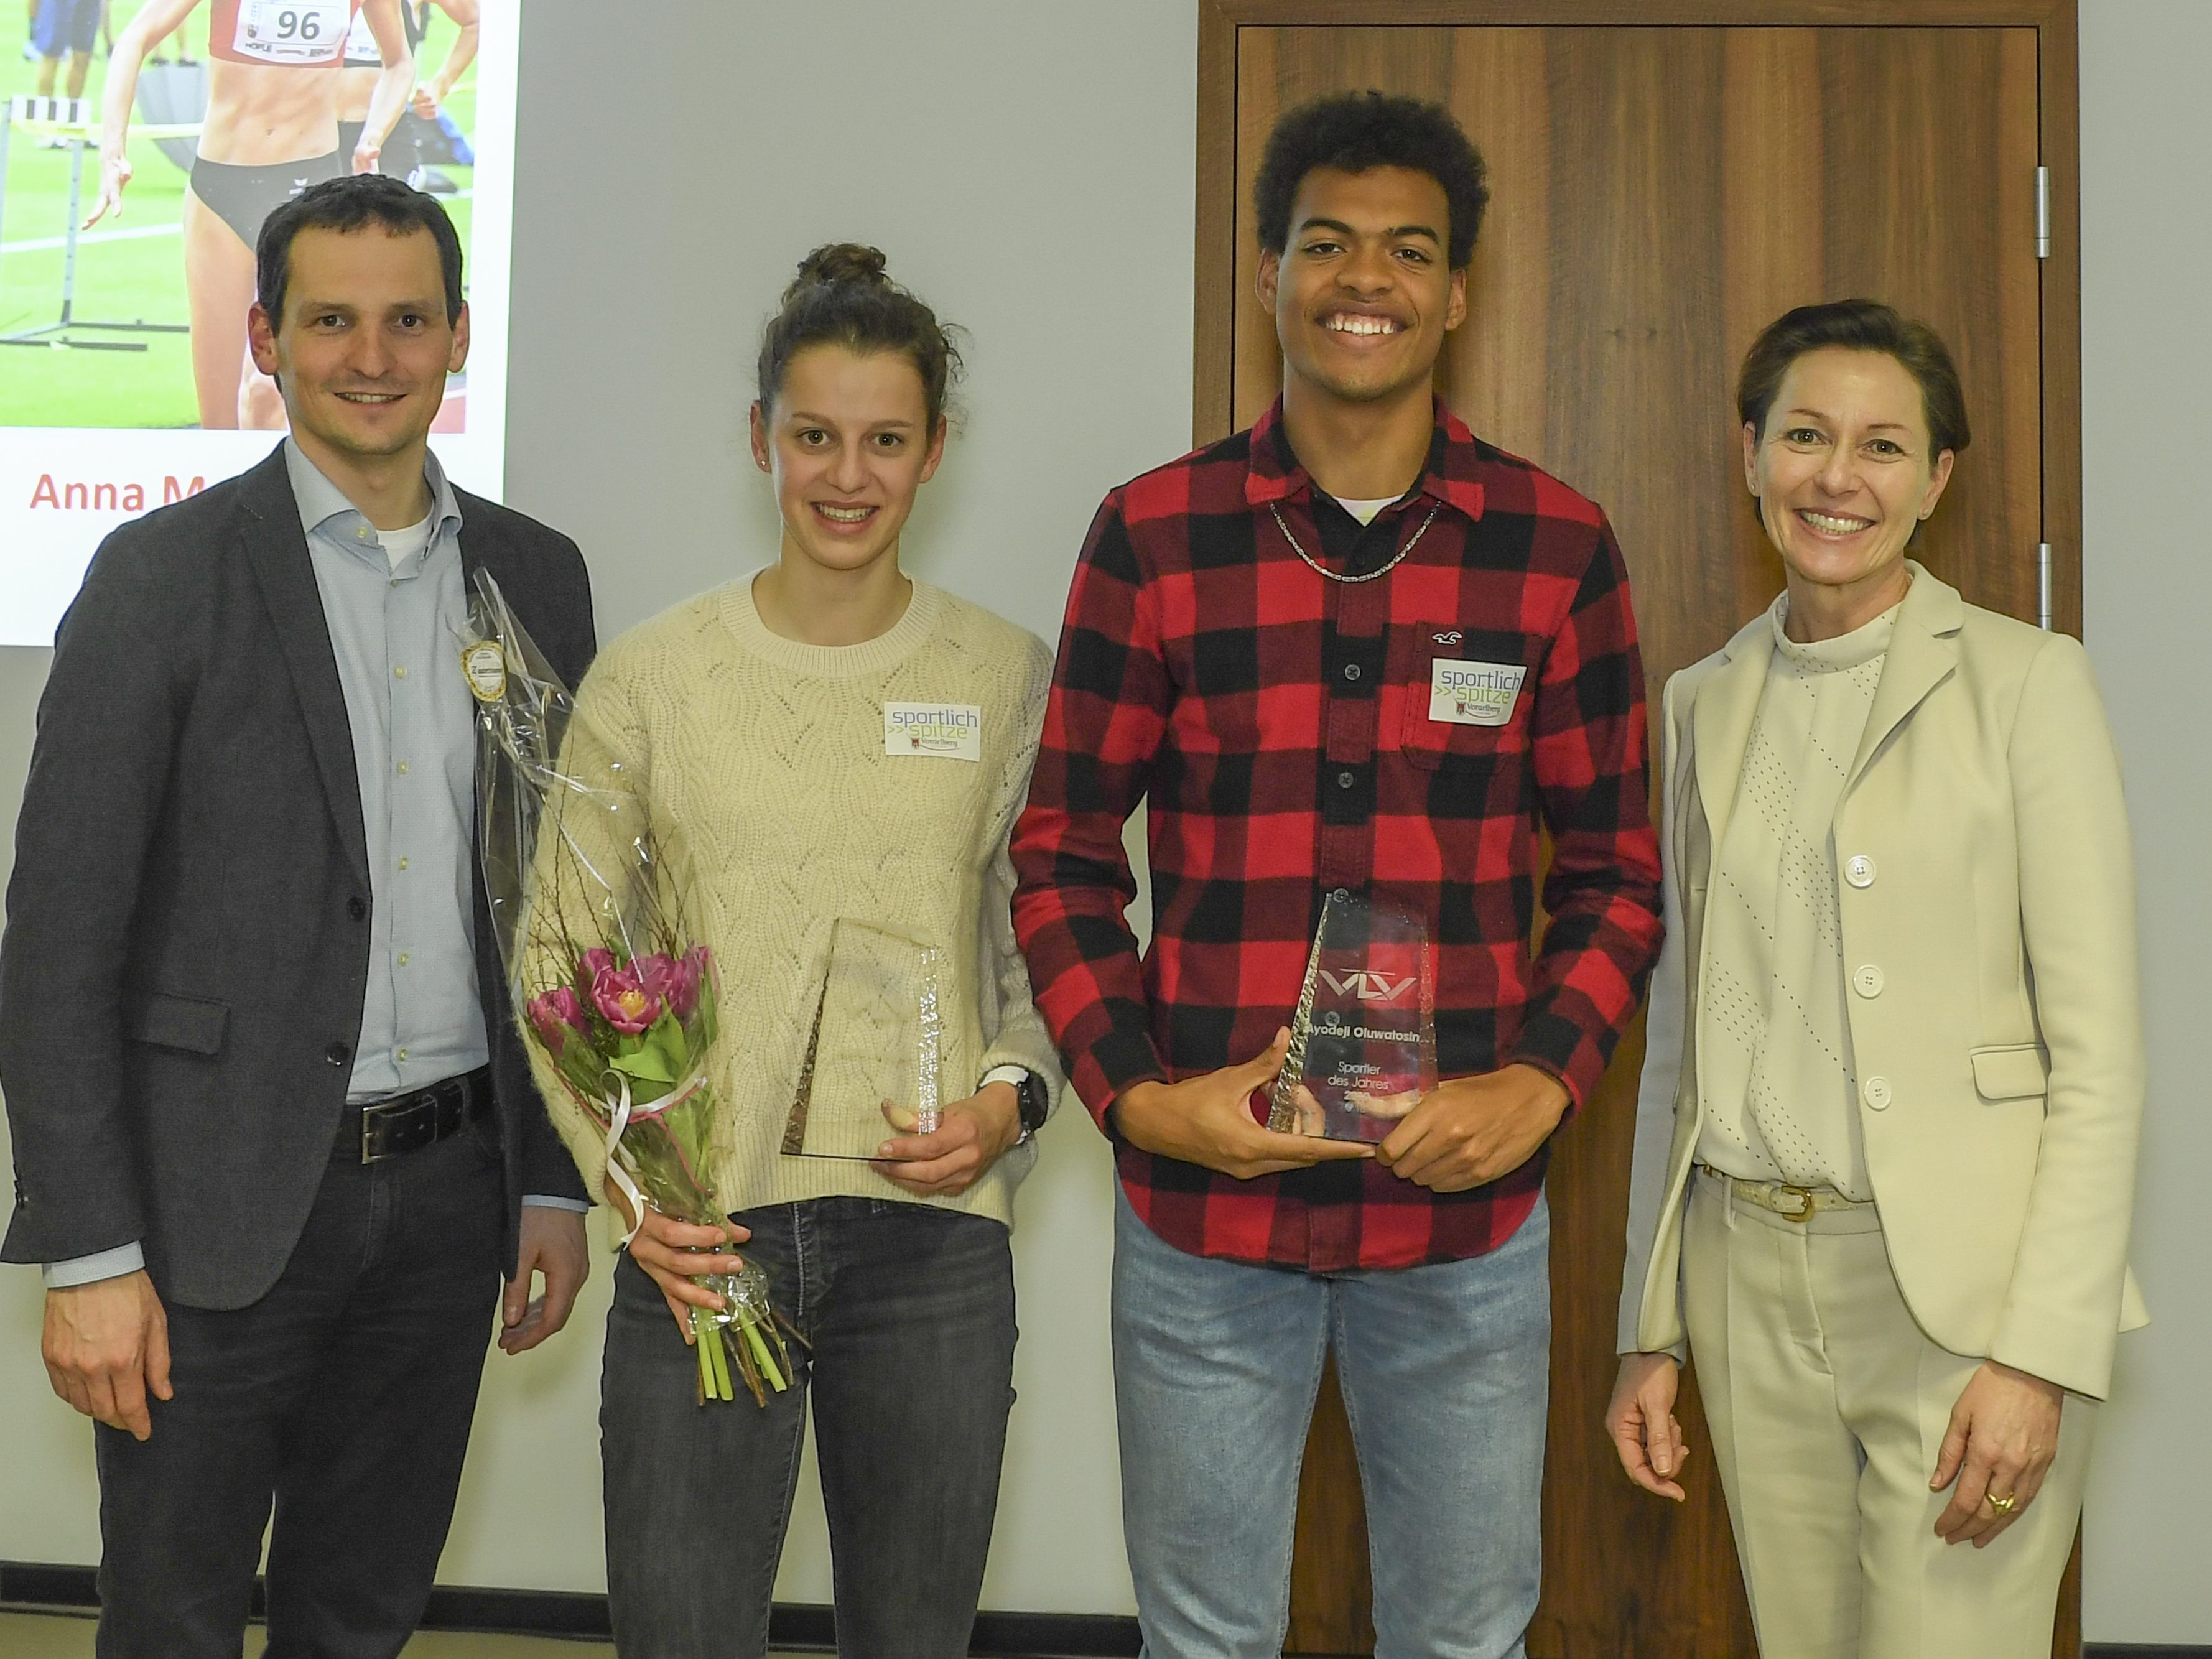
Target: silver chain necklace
{"x":1322,"y":569}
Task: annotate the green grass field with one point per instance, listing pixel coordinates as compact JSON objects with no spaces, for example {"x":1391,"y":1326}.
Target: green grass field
{"x":136,"y":276}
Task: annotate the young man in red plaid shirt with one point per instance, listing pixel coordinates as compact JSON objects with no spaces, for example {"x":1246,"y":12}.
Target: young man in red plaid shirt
{"x":1261,"y":642}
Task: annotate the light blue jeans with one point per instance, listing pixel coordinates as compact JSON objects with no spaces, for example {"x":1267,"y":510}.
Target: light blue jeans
{"x":1445,"y":1372}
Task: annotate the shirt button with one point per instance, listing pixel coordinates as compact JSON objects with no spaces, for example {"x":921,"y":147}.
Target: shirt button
{"x":1875,"y":1091}
{"x":365,"y":534}
{"x":1341,"y":894}
{"x":1859,"y":870}
{"x":1346,"y":779}
{"x":1868,"y":981}
{"x":356,"y":907}
{"x":402,"y":768}
{"x":338,"y":1053}
{"x":402,"y":958}
{"x":1352,"y":671}
{"x":402,"y":1055}
{"x":402,"y":864}
{"x":400,"y":673}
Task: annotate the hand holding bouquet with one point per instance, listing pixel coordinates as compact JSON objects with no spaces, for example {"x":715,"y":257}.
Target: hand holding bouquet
{"x":626,"y":1034}
{"x":616,"y":998}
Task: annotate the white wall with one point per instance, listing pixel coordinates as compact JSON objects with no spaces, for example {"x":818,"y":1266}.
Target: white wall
{"x":1027,"y":167}
{"x":1029,"y":170}
{"x":2146,"y":404}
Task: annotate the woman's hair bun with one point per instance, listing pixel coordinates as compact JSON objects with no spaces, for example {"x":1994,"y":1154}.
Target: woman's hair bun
{"x":842,"y":296}
{"x":839,"y":263}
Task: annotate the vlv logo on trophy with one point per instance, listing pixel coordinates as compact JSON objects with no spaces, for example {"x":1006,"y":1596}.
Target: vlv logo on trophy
{"x":1363,"y":1040}
{"x":1368,"y":986}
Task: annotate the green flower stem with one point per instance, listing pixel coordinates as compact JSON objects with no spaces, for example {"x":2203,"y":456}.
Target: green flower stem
{"x":706,"y":1338}
{"x":762,"y":1358}
{"x":722,"y":1365}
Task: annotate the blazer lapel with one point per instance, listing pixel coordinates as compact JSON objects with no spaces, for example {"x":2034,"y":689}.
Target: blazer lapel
{"x":1924,"y":651}
{"x":481,"y":550}
{"x":277,"y":549}
{"x":1720,"y":724}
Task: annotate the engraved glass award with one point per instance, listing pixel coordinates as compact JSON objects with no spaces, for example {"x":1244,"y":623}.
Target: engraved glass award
{"x":1363,"y":1040}
{"x":876,"y":1051}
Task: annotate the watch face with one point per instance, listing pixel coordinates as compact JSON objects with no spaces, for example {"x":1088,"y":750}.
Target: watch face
{"x":1033,"y":1102}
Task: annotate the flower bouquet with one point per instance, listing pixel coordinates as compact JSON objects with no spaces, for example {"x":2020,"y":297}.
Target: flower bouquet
{"x":616,"y":998}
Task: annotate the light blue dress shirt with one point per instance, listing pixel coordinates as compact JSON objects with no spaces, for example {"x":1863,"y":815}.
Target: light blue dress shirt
{"x":396,"y":634}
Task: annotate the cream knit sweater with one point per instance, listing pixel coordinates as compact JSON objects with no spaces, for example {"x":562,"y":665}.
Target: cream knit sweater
{"x":1775,"y":1033}
{"x":768,"y":775}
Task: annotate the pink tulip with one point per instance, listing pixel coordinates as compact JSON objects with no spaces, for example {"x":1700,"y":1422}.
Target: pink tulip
{"x":589,"y":965}
{"x":622,"y":1000}
{"x":556,"y":1014}
{"x":683,"y":991}
{"x":656,"y":972}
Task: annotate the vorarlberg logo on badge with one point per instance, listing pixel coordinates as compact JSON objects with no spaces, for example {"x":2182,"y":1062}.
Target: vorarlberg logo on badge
{"x":951,"y":730}
{"x":1463,"y":693}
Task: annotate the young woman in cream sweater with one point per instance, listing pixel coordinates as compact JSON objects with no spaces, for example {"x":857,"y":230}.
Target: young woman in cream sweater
{"x":771,"y":726}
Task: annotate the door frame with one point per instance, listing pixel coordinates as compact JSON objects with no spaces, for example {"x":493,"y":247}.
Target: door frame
{"x":2057,"y":44}
{"x":2058,"y":48}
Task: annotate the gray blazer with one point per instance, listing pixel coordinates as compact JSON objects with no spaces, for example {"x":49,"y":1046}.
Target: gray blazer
{"x":187,"y":950}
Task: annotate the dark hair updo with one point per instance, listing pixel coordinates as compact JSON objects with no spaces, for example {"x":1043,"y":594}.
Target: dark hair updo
{"x":1857,"y":325}
{"x":842,"y":296}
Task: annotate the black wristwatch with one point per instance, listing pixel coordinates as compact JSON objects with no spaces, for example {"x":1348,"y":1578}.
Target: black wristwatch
{"x":1037,"y":1101}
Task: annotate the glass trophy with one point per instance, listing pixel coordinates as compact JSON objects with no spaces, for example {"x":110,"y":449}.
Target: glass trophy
{"x":1363,"y":1040}
{"x":878,"y":1041}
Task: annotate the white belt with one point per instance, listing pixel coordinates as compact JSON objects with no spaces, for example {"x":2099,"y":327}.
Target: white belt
{"x":1791,"y":1203}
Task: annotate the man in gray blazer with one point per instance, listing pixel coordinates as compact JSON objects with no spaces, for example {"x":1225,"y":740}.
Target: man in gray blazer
{"x":276,"y":1142}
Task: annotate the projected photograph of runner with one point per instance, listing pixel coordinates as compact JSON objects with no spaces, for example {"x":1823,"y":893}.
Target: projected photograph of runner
{"x":143,"y":143}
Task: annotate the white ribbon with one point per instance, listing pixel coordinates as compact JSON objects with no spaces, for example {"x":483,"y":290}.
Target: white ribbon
{"x":616,"y":1124}
{"x":618,"y":1121}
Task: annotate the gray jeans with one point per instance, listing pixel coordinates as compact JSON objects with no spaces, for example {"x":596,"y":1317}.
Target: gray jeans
{"x":910,"y":1313}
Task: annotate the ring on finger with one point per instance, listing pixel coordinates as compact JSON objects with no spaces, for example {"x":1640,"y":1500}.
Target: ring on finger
{"x":2004,"y":1505}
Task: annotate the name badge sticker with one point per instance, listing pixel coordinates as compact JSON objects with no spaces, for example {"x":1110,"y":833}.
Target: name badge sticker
{"x":1464,"y":692}
{"x":485,"y":666}
{"x":950,"y":731}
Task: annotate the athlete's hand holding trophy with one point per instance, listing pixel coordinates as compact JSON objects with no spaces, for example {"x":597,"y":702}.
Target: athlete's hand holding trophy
{"x":1363,"y":1048}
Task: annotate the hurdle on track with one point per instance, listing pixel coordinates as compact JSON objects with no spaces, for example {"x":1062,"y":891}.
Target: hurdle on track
{"x":73,"y":119}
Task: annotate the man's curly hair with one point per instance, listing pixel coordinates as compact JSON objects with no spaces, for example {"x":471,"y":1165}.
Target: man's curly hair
{"x":1356,"y":131}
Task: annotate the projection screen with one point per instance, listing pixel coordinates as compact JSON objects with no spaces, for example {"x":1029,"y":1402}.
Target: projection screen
{"x":125,"y":383}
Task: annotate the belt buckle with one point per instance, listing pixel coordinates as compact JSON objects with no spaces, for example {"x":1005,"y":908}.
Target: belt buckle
{"x":369,"y":1120}
{"x":1805,"y":1201}
{"x":394,"y":1117}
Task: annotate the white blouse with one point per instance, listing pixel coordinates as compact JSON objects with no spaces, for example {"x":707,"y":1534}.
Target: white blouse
{"x":1782,"y":1103}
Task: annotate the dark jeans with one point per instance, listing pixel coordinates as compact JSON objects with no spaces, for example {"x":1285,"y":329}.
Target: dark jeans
{"x":343,"y":1396}
{"x":910,"y":1311}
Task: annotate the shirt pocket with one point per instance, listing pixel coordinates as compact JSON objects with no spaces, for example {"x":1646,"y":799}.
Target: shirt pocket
{"x":1465,"y":695}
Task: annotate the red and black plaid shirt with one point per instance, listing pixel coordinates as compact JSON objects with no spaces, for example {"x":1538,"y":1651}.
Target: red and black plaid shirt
{"x":1279,"y":723}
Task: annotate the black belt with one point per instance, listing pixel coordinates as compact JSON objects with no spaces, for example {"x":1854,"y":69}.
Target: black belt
{"x":405,"y":1123}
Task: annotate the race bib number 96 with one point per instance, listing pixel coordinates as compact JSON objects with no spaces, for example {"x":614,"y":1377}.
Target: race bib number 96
{"x":292,"y":31}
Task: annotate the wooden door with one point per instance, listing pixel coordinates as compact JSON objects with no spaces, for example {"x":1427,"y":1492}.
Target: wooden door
{"x":1659,"y":194}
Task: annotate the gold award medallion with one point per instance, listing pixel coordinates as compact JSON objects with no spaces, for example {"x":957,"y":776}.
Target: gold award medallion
{"x":485,"y":666}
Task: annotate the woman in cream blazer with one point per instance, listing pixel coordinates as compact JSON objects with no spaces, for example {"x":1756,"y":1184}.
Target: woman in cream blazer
{"x":1886,"y":1141}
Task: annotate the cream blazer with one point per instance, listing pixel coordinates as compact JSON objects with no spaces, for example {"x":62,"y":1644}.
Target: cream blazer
{"x":1986,"y":889}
